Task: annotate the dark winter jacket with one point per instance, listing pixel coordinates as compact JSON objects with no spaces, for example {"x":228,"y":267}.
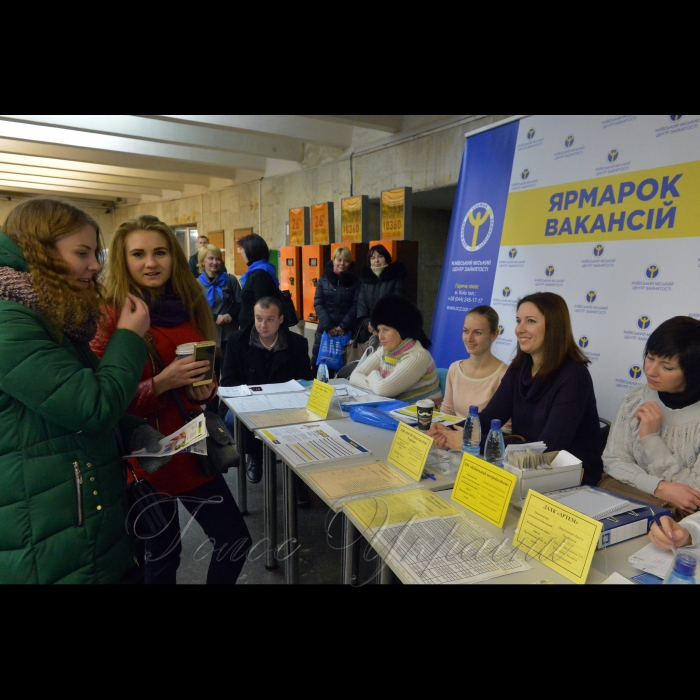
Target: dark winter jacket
{"x":245,"y":364}
{"x":335,"y":302}
{"x":373,"y":288}
{"x":258,"y":284}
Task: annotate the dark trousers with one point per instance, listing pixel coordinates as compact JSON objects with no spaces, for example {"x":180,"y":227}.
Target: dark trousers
{"x":212,"y":505}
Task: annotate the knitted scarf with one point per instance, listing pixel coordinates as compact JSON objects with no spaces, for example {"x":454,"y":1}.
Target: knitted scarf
{"x":166,"y":310}
{"x":260,"y":265}
{"x":212,"y":285}
{"x":17,"y":286}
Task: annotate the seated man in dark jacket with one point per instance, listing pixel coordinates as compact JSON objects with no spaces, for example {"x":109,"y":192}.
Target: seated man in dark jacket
{"x":264,"y":352}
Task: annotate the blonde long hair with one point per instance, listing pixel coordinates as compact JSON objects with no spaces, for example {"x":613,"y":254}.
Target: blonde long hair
{"x":35,"y":226}
{"x":119,"y":282}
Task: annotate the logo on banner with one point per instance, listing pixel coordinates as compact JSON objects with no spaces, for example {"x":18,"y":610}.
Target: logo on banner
{"x":513,"y":253}
{"x":635,"y":371}
{"x":598,"y":250}
{"x":525,"y":174}
{"x":583,"y":341}
{"x":569,"y":142}
{"x":675,"y":117}
{"x":591,"y":296}
{"x":500,"y":330}
{"x":474,"y":225}
{"x":549,"y":271}
{"x":506,"y":291}
{"x":643,"y":322}
{"x":530,"y":134}
{"x":652,"y":271}
{"x":613,"y":155}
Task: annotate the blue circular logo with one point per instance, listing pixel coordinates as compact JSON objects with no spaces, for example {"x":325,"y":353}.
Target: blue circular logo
{"x":591,"y":296}
{"x":530,"y":134}
{"x":500,"y":330}
{"x":512,"y":253}
{"x":598,"y":250}
{"x":652,"y":271}
{"x":583,"y":341}
{"x":635,"y":371}
{"x":613,"y":155}
{"x":477,"y":227}
{"x":525,"y":174}
{"x":549,"y":271}
{"x":506,"y":291}
{"x":569,"y":141}
{"x":675,"y":117}
{"x":644,"y":322}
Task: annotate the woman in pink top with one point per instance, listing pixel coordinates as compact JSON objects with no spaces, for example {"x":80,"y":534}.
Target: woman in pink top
{"x":471,"y":382}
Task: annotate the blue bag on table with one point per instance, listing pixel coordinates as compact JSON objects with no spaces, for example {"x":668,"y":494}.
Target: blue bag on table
{"x":331,"y":350}
{"x":373,"y":415}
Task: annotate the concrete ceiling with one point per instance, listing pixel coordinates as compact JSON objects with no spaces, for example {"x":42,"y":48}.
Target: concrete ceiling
{"x":132,"y":158}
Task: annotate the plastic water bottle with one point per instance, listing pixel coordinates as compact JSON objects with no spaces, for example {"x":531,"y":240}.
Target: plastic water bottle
{"x":322,"y":374}
{"x":471,"y":436}
{"x":683,"y":570}
{"x":495,"y":448}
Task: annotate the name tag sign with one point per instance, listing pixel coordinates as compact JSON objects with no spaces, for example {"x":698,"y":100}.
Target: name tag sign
{"x":561,"y":538}
{"x":320,"y":398}
{"x":409,"y":450}
{"x":484,"y":489}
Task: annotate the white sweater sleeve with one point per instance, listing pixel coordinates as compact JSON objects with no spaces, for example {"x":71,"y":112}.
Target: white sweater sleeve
{"x":406,"y":375}
{"x":619,"y":460}
{"x":692,"y":524}
{"x":360,"y":373}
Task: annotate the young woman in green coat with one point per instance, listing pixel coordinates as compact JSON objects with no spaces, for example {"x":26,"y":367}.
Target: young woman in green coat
{"x":62,"y":505}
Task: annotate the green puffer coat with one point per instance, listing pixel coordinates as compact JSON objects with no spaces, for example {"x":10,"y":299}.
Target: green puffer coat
{"x":62,"y":505}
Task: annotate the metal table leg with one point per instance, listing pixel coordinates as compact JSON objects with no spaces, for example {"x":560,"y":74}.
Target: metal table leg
{"x":351,"y":553}
{"x":242,"y":484}
{"x":270,"y":506}
{"x":384,"y":574}
{"x":291,"y":545}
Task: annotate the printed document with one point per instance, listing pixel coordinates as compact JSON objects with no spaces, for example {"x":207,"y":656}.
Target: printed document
{"x":189,"y":438}
{"x":364,"y":478}
{"x":256,"y":404}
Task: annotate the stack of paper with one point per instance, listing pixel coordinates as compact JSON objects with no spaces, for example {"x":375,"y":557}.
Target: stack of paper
{"x":652,"y":560}
{"x":534,"y":446}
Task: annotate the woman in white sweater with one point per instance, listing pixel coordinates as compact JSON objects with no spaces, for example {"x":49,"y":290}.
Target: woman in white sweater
{"x":403,"y":368}
{"x":653,"y":450}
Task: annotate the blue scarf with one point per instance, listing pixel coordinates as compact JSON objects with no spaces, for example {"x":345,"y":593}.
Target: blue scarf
{"x":260,"y":265}
{"x":212,"y":285}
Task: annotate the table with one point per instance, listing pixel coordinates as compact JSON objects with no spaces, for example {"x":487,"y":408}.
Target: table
{"x":605,"y":561}
{"x":378,"y":441}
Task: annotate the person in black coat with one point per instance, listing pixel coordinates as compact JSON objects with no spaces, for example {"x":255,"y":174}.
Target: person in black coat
{"x":260,"y":280}
{"x":335,"y":301}
{"x":379,"y":278}
{"x":264,"y":352}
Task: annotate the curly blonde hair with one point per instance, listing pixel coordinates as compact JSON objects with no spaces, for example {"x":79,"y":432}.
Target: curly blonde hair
{"x":119,"y":283}
{"x":35,"y":226}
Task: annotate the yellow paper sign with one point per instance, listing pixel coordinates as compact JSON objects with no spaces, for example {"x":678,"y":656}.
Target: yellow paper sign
{"x":409,"y":450}
{"x":320,"y":398}
{"x":401,"y":507}
{"x":351,"y":219}
{"x":298,"y":226}
{"x":483,"y":489}
{"x":320,"y":224}
{"x":393,"y":214}
{"x":561,"y":538}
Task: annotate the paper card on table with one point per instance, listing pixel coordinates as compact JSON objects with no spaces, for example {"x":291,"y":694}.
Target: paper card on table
{"x":401,"y":507}
{"x":362,"y":478}
{"x":232,"y":392}
{"x":409,"y":450}
{"x":320,"y":398}
{"x":560,"y":537}
{"x":484,"y":489}
{"x":271,"y":419}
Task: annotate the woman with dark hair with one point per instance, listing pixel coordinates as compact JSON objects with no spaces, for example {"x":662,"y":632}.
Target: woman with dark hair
{"x":260,"y":280}
{"x":335,"y":301}
{"x":380,"y":277}
{"x":654,"y":443}
{"x":547,"y":390}
{"x":404,"y":369}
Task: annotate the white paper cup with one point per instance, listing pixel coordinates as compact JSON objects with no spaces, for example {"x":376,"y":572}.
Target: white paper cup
{"x":425,"y":409}
{"x":184,"y":350}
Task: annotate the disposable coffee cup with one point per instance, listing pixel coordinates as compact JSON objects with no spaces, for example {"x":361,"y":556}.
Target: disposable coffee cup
{"x":425,"y":413}
{"x":184,"y":350}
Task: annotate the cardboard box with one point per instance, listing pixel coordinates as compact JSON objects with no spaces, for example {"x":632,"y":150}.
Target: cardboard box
{"x":566,"y":471}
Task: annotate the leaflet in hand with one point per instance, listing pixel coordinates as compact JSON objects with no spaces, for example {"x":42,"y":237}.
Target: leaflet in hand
{"x":189,"y":438}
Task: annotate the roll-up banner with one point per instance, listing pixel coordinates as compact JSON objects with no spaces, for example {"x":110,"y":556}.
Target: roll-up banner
{"x":603,"y":210}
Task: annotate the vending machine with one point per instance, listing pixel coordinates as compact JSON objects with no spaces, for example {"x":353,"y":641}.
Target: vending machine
{"x":290,"y":274}
{"x":313,"y":263}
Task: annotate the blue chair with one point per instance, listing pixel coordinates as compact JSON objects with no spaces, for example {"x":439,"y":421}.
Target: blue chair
{"x":442,"y":376}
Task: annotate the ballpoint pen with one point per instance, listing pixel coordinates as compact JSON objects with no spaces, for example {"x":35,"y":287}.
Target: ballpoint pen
{"x":657,"y":520}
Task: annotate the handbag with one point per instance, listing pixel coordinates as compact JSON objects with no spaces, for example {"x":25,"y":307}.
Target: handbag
{"x":221,"y":451}
{"x":354,"y":350}
{"x":331,"y":350}
{"x":145,"y":517}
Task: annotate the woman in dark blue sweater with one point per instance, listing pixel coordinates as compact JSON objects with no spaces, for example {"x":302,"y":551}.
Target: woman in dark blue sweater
{"x":547,"y":390}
